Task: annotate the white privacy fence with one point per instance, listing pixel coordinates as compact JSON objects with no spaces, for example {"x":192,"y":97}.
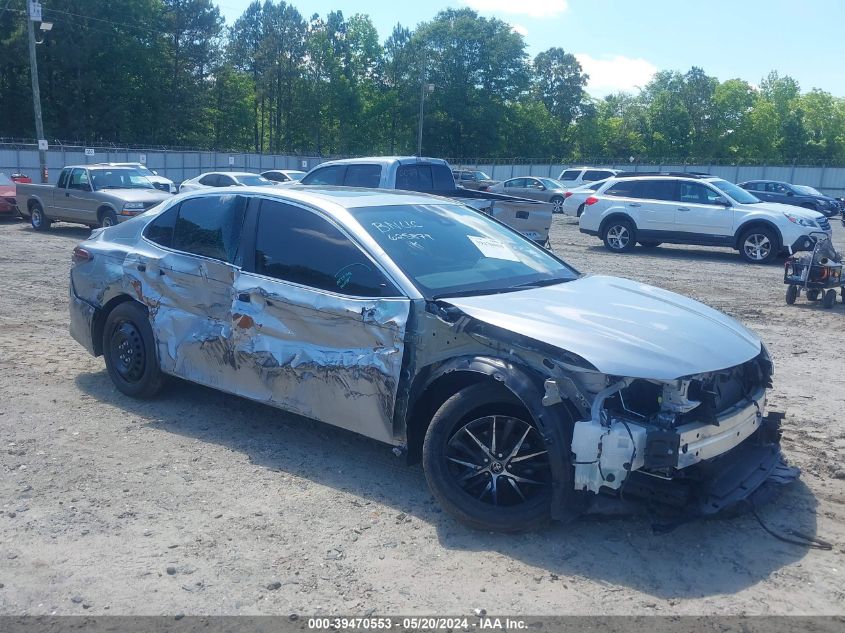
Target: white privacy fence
{"x":179,"y":165}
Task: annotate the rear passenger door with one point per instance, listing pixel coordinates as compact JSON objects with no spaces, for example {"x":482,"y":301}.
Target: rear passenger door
{"x":698,"y":214}
{"x":318,"y":326}
{"x":188,"y":282}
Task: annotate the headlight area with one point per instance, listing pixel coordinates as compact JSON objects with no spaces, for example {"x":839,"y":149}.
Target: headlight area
{"x":132,"y":208}
{"x":703,"y":439}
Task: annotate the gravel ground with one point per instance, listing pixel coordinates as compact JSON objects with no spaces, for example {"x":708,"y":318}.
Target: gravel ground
{"x":203,"y":503}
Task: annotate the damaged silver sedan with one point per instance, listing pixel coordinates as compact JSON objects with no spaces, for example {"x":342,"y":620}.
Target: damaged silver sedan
{"x":524,"y":387}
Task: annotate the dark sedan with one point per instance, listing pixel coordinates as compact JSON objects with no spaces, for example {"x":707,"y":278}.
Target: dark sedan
{"x":796,"y":195}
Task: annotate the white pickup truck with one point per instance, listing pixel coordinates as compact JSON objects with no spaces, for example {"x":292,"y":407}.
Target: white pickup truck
{"x":532,"y":218}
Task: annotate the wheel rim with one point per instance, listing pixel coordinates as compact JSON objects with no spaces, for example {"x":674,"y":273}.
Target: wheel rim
{"x":36,"y":218}
{"x":499,"y":460}
{"x":757,"y":246}
{"x":107,"y":221}
{"x":557,"y":205}
{"x":618,"y":237}
{"x":127,"y":352}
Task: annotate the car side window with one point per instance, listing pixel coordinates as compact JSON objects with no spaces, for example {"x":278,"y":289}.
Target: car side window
{"x":331,"y":175}
{"x":658,"y":189}
{"x":209,"y":180}
{"x":79,"y":179}
{"x":622,"y":189}
{"x":533,"y":183}
{"x":297,"y":245}
{"x":414,"y":178}
{"x":62,"y":179}
{"x":595,"y":174}
{"x":363,"y":176}
{"x":210,"y":226}
{"x":225,"y":181}
{"x":160,"y":230}
{"x":779,"y":188}
{"x":570,"y":174}
{"x":696,"y":193}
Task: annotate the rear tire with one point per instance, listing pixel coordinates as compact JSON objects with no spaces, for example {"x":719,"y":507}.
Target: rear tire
{"x":619,"y":235}
{"x":791,"y":294}
{"x":580,"y":211}
{"x":479,"y":469}
{"x":39,"y":221}
{"x":759,"y":245}
{"x":130,"y":352}
{"x":829,"y":299}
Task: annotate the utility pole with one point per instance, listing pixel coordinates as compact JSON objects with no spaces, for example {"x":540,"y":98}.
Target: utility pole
{"x":422,"y":108}
{"x":34,"y":15}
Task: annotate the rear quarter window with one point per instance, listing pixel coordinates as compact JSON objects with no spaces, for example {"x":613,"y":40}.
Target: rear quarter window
{"x":570,"y":174}
{"x":596,"y":174}
{"x":368,"y":176}
{"x":331,"y":175}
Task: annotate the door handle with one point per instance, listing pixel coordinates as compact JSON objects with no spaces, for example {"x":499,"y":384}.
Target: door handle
{"x":244,"y":297}
{"x":634,"y":204}
{"x":683,"y":208}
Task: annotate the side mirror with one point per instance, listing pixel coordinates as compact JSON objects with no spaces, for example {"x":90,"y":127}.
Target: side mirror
{"x":155,"y":173}
{"x":722,"y":200}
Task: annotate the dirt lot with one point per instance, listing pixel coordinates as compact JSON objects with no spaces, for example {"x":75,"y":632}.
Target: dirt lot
{"x":203,"y":503}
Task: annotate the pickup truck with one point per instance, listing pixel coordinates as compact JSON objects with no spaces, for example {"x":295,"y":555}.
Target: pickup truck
{"x":96,"y":195}
{"x":532,"y":218}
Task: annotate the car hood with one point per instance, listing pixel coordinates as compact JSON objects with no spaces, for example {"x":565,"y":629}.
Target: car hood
{"x":621,"y":327}
{"x":160,"y":179}
{"x":777,"y":207}
{"x":138,"y":195}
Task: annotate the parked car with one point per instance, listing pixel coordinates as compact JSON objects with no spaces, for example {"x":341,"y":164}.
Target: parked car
{"x":96,"y":195}
{"x":159,"y":182}
{"x":8,"y":200}
{"x":574,"y":199}
{"x":524,"y":387}
{"x":797,"y":195}
{"x":544,"y":189}
{"x":19,"y":177}
{"x":650,"y":209}
{"x":432,"y":175}
{"x":225,"y":179}
{"x":473,"y":179}
{"x":283,"y":175}
{"x":573,"y":177}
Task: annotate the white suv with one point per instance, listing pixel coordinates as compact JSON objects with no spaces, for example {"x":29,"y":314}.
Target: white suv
{"x":578,"y":176}
{"x":693,"y":209}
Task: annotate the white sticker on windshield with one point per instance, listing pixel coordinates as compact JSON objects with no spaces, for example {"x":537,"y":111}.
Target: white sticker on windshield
{"x":493,"y":248}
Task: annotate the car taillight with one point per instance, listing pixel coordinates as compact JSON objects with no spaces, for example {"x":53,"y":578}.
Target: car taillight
{"x":567,"y":194}
{"x":591,"y":200}
{"x":80,"y":255}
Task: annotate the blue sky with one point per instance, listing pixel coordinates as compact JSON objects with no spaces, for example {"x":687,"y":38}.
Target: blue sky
{"x":620,"y":43}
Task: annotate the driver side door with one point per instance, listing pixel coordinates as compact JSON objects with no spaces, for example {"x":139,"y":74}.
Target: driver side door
{"x":318,"y":326}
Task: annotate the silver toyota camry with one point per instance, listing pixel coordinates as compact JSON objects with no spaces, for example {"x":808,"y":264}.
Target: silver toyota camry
{"x":523,"y":386}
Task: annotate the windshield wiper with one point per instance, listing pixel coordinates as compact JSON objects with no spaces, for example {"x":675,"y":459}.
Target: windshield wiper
{"x":541,"y":282}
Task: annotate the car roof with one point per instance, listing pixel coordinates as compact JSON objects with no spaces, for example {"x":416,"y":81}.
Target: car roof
{"x":227,"y":173}
{"x":346,"y":197}
{"x":384,"y":160}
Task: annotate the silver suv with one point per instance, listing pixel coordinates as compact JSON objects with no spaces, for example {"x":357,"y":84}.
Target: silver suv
{"x":693,"y":209}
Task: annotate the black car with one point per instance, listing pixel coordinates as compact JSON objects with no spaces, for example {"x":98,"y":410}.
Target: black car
{"x":797,"y":195}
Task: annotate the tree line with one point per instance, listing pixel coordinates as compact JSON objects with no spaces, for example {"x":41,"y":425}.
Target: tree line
{"x":171,"y":73}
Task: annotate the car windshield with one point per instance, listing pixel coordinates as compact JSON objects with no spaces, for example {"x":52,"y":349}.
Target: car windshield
{"x":548,"y":183}
{"x":254,"y":181}
{"x":807,"y":190}
{"x":453,"y":250}
{"x":145,"y":171}
{"x":480,"y":175}
{"x":5,"y":180}
{"x":119,"y":178}
{"x":736,"y":193}
{"x":296,"y":175}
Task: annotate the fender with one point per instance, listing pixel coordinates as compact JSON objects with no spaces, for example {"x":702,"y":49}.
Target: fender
{"x":755,"y":221}
{"x":554,"y":422}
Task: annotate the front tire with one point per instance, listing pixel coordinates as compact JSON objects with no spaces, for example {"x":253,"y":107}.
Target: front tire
{"x":486,"y":463}
{"x":557,"y":204}
{"x":39,"y":221}
{"x":619,"y":235}
{"x":829,"y":299}
{"x":108,"y":218}
{"x":130,"y":353}
{"x":759,"y":245}
{"x":791,"y":294}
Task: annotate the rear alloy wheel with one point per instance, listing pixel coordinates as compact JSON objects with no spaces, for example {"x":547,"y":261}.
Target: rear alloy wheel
{"x":759,"y":245}
{"x":486,"y":463}
{"x":39,"y":221}
{"x":557,"y":204}
{"x":130,"y":353}
{"x":619,"y":236}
